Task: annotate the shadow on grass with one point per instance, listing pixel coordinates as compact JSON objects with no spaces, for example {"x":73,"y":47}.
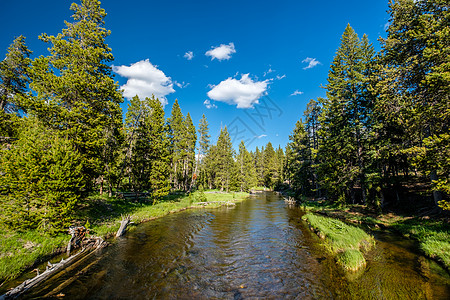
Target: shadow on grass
{"x":100,"y":208}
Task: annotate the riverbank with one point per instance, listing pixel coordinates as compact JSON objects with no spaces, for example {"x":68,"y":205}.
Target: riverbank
{"x":431,"y":233}
{"x":347,"y":243}
{"x":20,"y":251}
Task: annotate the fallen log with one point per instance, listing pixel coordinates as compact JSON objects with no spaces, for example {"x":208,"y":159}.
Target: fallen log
{"x":123,"y":225}
{"x":290,"y":200}
{"x":51,"y":269}
{"x":205,"y":203}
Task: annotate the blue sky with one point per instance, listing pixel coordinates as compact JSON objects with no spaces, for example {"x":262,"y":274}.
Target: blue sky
{"x":249,"y":65}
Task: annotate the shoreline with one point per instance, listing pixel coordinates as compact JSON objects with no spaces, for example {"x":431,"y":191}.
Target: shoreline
{"x":425,"y":231}
{"x":26,"y":259}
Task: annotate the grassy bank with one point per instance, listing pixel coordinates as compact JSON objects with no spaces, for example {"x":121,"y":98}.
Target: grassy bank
{"x":342,"y":240}
{"x":432,"y":234}
{"x":21,"y":250}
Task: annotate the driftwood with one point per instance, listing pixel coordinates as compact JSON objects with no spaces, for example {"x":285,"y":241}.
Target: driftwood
{"x":123,"y":225}
{"x":290,"y":200}
{"x":78,"y":234}
{"x":220,"y":202}
{"x":52,"y":269}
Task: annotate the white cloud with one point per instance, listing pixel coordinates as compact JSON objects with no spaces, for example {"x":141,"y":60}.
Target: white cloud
{"x":222,"y":52}
{"x":189,"y":55}
{"x":261,"y":136}
{"x":296,"y":92}
{"x":209,"y":105}
{"x":181,"y":85}
{"x":281,"y":77}
{"x":312,"y":62}
{"x":145,"y":80}
{"x":268,"y":72}
{"x":244,"y":92}
{"x":386,"y":26}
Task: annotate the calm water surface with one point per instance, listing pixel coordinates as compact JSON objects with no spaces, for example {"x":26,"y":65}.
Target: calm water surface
{"x":259,"y":249}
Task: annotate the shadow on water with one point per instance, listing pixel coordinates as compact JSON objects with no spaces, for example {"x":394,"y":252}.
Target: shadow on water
{"x":259,"y":249}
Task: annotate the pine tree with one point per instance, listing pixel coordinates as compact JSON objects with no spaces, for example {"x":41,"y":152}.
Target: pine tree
{"x":259,"y":165}
{"x":159,"y":185}
{"x":14,"y":77}
{"x":202,"y":150}
{"x":280,"y":163}
{"x":344,"y":120}
{"x":148,"y":158}
{"x":415,"y":77}
{"x":189,"y":158}
{"x":137,"y":162}
{"x":271,"y":169}
{"x":177,"y":131}
{"x":312,"y":126}
{"x":75,"y":93}
{"x":300,"y":160}
{"x":211,"y":166}
{"x":246,"y":174}
{"x":42,"y":179}
{"x":224,"y":160}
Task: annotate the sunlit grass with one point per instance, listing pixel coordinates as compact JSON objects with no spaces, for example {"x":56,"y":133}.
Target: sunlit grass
{"x":20,"y":250}
{"x":433,"y":237}
{"x":342,"y":240}
{"x":351,"y":259}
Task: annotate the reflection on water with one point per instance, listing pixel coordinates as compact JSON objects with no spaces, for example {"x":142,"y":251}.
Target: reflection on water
{"x":258,"y":249}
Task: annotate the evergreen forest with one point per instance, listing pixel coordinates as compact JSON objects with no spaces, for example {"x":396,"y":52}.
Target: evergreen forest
{"x":380,"y":134}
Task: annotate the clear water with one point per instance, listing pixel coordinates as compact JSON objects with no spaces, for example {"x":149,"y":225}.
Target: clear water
{"x":260,"y":249}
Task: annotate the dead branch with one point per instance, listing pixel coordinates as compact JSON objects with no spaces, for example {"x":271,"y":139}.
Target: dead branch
{"x":123,"y":225}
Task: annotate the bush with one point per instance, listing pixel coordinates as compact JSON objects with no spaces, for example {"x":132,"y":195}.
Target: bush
{"x":42,"y":180}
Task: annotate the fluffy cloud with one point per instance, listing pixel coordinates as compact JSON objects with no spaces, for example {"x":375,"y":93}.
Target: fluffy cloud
{"x":189,"y":55}
{"x":145,"y":80}
{"x":209,"y":105}
{"x":312,"y":62}
{"x":244,"y":92}
{"x":296,"y":92}
{"x":222,"y":52}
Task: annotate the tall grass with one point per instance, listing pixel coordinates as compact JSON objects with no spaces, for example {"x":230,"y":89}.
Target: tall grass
{"x":342,"y":240}
{"x":433,"y":237}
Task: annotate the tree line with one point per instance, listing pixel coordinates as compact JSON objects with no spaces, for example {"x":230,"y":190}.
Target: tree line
{"x":385,"y":120}
{"x":62,"y":134}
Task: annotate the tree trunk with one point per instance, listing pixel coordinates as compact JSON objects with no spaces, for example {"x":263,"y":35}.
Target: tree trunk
{"x":101,"y":185}
{"x":437,"y":195}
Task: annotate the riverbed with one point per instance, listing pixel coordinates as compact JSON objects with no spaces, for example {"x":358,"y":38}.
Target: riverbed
{"x":259,"y":248}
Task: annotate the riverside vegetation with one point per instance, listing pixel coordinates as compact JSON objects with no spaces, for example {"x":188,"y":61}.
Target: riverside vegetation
{"x":23,"y":249}
{"x":432,"y":234}
{"x":381,"y":131}
{"x":344,"y":241}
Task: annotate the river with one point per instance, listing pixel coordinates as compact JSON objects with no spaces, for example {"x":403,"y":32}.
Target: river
{"x":258,"y":249}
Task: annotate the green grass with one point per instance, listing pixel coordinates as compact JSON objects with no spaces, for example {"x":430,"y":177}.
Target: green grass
{"x":433,"y":237}
{"x":20,"y":250}
{"x":351,"y":259}
{"x":341,"y":239}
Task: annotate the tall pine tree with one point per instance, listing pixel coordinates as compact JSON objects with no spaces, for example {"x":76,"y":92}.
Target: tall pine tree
{"x":74,"y":90}
{"x":345,"y":118}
